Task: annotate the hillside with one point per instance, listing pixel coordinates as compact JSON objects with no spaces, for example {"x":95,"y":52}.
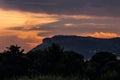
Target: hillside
{"x":86,"y":46}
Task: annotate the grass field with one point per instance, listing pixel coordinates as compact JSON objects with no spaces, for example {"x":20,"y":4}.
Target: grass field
{"x":48,"y":78}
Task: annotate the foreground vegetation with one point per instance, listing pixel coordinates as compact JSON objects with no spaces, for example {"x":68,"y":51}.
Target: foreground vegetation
{"x":50,"y":77}
{"x":54,"y":63}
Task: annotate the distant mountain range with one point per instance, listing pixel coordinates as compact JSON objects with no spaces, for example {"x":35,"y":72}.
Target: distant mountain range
{"x":86,"y":46}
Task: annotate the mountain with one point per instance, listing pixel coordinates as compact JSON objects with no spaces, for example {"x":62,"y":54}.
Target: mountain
{"x":86,"y":46}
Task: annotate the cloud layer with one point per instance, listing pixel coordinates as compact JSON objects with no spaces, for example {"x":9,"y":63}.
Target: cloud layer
{"x":27,"y":22}
{"x":86,"y":7}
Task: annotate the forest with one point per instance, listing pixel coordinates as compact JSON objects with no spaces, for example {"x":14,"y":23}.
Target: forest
{"x":53,"y":63}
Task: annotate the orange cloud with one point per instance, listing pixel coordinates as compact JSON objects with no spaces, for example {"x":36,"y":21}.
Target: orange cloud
{"x":102,"y":35}
{"x":28,"y":34}
{"x":78,"y":17}
{"x":22,"y":19}
{"x":26,"y":40}
{"x":86,"y":25}
{"x":11,"y":18}
{"x":38,"y":19}
{"x":31,"y":36}
{"x":25,"y":19}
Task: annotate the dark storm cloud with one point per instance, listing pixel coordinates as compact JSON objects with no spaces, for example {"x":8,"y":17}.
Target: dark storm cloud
{"x":88,"y":7}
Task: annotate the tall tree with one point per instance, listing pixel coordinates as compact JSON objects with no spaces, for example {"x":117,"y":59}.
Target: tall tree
{"x":104,"y":57}
{"x":14,"y":50}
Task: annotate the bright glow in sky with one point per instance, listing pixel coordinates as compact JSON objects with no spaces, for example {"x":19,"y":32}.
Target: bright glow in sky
{"x":25,"y":20}
{"x":11,"y":19}
{"x":26,"y":25}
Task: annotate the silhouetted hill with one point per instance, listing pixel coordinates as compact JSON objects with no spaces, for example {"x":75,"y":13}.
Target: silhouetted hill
{"x":83,"y":45}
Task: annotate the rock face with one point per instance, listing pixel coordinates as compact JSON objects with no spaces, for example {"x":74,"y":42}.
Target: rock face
{"x":86,"y":46}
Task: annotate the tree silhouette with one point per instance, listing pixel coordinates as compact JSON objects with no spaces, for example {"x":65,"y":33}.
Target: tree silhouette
{"x":14,"y":62}
{"x":14,"y":50}
{"x":54,"y":61}
{"x":54,"y":49}
{"x":73,"y":62}
{"x":45,"y":61}
{"x":100,"y":61}
{"x":53,"y":54}
{"x":103,"y":57}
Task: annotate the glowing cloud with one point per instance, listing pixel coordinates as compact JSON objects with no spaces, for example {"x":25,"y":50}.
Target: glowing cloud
{"x":28,"y":29}
{"x":38,"y":19}
{"x":102,"y":35}
{"x":86,"y":24}
{"x":27,"y":39}
{"x":82,"y":16}
{"x":25,"y":19}
{"x":11,"y":18}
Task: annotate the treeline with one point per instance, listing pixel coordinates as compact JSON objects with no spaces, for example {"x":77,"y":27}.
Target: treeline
{"x":55,"y":61}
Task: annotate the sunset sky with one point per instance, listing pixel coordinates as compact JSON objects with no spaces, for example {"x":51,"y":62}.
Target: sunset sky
{"x":27,"y":22}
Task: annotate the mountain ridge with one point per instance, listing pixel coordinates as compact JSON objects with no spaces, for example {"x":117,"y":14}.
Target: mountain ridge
{"x":86,"y":46}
